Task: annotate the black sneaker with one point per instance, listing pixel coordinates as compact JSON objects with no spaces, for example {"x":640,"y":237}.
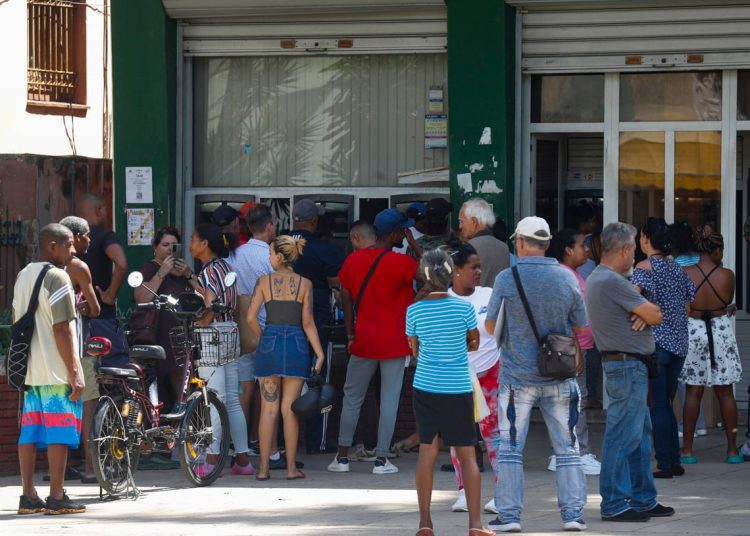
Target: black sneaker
{"x":629,"y":516}
{"x":678,"y":470}
{"x":63,"y":506}
{"x":31,"y":505}
{"x":660,"y":511}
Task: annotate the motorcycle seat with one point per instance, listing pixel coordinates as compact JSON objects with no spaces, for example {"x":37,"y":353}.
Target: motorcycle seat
{"x":141,"y":352}
{"x":114,"y":371}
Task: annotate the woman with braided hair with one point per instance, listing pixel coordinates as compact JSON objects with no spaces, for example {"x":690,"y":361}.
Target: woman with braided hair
{"x":713,"y":357}
{"x":442,"y":329}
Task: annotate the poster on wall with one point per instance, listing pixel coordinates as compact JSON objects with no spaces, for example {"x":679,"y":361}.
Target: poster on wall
{"x":435,"y":131}
{"x":140,"y":226}
{"x":139,"y":185}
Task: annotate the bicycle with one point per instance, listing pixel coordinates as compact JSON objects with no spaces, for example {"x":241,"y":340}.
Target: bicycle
{"x":128,"y":421}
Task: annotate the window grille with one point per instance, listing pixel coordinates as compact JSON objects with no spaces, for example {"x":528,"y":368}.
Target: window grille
{"x":54,"y":37}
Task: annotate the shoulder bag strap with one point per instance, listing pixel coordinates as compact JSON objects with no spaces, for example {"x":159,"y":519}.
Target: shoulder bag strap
{"x":525,"y":302}
{"x":34,"y":299}
{"x":367,"y":280}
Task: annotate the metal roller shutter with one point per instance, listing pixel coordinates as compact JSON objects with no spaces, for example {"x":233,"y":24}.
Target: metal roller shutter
{"x":620,"y":36}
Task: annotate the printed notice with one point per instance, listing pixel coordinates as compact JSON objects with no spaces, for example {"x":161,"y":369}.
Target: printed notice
{"x":138,"y":185}
{"x":435,"y":131}
{"x":140,"y":226}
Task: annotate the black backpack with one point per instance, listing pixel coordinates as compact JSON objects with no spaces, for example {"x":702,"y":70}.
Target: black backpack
{"x":17,"y":359}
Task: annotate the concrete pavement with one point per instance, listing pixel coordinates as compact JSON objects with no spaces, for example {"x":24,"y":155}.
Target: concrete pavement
{"x":712,"y":498}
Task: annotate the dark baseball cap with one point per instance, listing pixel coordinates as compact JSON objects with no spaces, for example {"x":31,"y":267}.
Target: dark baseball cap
{"x":224,"y":215}
{"x":438,"y":207}
{"x":390,"y":220}
{"x":306,"y":210}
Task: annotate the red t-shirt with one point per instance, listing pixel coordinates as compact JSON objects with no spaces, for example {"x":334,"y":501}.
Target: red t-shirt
{"x":380,"y":331}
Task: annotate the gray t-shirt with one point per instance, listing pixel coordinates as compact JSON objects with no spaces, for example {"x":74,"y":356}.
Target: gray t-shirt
{"x":493,"y":254}
{"x":610,"y":300}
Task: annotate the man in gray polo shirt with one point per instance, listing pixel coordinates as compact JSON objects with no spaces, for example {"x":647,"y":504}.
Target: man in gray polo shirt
{"x":475,"y":221}
{"x":621,"y":321}
{"x":557,"y":306}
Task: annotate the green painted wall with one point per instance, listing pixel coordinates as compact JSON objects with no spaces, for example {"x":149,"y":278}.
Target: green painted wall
{"x":144,"y":101}
{"x":481,"y":93}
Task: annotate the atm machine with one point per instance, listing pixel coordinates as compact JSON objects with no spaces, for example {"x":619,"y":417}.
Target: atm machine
{"x":337,"y":220}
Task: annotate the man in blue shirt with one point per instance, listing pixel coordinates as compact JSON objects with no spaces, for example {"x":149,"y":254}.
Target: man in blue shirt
{"x":320,"y":263}
{"x":557,"y":306}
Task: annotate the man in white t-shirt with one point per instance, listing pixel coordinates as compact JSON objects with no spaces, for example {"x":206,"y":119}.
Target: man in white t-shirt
{"x":52,"y":408}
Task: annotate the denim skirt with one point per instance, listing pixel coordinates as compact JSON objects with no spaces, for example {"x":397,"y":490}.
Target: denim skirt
{"x":283,"y":351}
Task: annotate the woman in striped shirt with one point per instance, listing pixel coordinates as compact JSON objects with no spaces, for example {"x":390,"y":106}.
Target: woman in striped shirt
{"x":442,"y":330}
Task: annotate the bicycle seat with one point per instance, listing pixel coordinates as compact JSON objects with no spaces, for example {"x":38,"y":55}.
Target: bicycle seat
{"x":114,"y":371}
{"x":141,"y":352}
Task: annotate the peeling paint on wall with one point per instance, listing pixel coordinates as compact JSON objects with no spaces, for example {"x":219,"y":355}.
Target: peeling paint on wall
{"x":489,"y":187}
{"x":476,"y":167}
{"x":486,"y":138}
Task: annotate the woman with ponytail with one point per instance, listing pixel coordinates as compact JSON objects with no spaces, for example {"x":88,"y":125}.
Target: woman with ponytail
{"x":282,"y":359}
{"x":664,"y":283}
{"x":209,"y":245}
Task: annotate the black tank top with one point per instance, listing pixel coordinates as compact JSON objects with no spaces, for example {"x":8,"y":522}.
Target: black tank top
{"x":284,"y":312}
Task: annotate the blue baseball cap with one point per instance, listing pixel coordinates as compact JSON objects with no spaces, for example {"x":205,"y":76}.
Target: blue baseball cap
{"x":390,"y":220}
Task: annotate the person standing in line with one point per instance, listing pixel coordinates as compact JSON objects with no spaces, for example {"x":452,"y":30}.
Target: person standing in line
{"x":664,"y":283}
{"x":621,"y":320}
{"x":485,"y":360}
{"x":377,"y":339}
{"x":475,"y":221}
{"x":568,"y":247}
{"x":251,"y":261}
{"x":713,"y":357}
{"x":208,"y":244}
{"x":441,"y":329}
{"x":435,"y":226}
{"x":320,"y":264}
{"x":108,"y":264}
{"x":283,"y":354}
{"x":361,"y":235}
{"x":557,"y":306}
{"x":228,"y":219}
{"x":87,"y":306}
{"x":51,"y":414}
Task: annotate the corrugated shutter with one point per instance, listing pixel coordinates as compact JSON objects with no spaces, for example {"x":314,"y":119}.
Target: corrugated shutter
{"x":385,"y":32}
{"x":556,"y":39}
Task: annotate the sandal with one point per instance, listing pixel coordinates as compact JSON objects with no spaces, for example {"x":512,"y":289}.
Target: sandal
{"x":688,"y":460}
{"x":299,"y":476}
{"x":425,"y":531}
{"x":262,"y":478}
{"x":734,"y":459}
{"x":481,"y":532}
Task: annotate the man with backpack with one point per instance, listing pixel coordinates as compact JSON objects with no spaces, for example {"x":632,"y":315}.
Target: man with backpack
{"x":51,"y":416}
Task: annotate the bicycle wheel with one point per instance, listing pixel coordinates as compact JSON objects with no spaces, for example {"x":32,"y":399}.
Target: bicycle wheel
{"x":198,"y":429}
{"x":114,"y":457}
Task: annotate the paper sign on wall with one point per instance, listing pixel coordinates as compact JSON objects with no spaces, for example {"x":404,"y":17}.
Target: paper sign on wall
{"x":140,"y":226}
{"x":138,"y":185}
{"x":435,"y":131}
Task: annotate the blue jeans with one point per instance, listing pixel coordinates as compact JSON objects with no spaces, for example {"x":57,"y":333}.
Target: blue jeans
{"x":626,"y":480}
{"x":559,"y":405}
{"x":663,"y":391}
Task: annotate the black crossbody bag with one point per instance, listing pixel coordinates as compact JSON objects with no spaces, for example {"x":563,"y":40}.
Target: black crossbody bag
{"x":558,"y":354}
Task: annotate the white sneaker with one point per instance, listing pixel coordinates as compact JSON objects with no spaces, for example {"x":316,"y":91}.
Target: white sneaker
{"x":591,"y":466}
{"x":552,"y":463}
{"x":574,"y":526}
{"x":339,"y":465}
{"x":460,"y":504}
{"x":490,"y":507}
{"x":701,"y":432}
{"x":745,"y":450}
{"x":380,"y":468}
{"x":361,"y":454}
{"x":499,"y":526}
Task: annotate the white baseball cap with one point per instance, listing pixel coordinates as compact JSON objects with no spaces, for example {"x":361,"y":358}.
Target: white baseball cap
{"x":533,"y":227}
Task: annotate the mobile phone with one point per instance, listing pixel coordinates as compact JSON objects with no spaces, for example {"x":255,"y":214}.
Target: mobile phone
{"x":177,"y":250}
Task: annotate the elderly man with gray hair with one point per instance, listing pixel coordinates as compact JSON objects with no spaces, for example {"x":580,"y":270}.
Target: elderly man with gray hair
{"x":621,"y":320}
{"x":475,"y":221}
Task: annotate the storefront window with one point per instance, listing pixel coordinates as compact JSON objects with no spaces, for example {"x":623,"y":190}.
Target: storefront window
{"x":697,"y":181}
{"x":743,"y":95}
{"x":314,"y":120}
{"x":671,"y":96}
{"x":567,"y":98}
{"x":641,"y":176}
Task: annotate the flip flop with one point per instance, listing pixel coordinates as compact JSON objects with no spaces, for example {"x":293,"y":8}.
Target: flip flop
{"x":425,"y":531}
{"x":688,"y":460}
{"x":481,"y":532}
{"x":734,"y":459}
{"x":262,"y":478}
{"x":300,"y":476}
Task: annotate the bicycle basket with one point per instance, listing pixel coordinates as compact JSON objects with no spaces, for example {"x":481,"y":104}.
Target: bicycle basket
{"x":218,"y":345}
{"x":180,"y":344}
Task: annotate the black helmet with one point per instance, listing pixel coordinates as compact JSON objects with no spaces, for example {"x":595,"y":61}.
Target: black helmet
{"x":319,"y":398}
{"x":327,"y":398}
{"x":306,"y":406}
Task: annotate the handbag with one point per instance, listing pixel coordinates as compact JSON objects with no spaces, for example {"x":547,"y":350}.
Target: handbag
{"x":17,"y":358}
{"x":558,"y":354}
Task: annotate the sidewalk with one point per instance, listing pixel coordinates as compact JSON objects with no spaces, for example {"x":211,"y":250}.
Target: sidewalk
{"x":712,"y":498}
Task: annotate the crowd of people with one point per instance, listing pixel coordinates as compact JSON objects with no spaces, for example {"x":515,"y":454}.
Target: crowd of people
{"x":471,"y":316}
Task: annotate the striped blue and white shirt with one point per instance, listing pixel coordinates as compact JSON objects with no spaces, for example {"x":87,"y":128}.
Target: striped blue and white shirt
{"x":441,"y":326}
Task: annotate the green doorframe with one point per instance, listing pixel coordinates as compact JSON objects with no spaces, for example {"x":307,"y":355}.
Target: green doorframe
{"x":481,"y":94}
{"x":143,"y":96}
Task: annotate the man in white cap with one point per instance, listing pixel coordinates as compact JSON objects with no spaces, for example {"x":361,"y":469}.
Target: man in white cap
{"x":557,"y":307}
